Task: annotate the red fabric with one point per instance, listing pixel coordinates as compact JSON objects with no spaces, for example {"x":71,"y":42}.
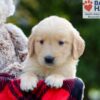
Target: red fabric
{"x":55,"y":94}
{"x":10,"y":90}
{"x":51,"y":94}
{"x":6,"y":94}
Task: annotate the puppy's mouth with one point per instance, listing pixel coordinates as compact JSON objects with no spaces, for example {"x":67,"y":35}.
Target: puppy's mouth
{"x":49,"y":64}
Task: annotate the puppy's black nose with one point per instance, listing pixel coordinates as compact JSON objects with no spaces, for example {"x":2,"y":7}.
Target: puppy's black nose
{"x":49,"y":59}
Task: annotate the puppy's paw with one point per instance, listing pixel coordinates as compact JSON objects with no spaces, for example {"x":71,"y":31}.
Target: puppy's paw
{"x":28,"y":82}
{"x":54,"y":81}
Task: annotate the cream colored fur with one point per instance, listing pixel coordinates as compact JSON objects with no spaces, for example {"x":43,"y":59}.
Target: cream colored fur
{"x":52,"y":30}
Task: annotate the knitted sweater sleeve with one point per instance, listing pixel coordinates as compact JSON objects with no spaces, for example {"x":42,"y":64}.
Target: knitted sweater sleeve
{"x":19,"y":40}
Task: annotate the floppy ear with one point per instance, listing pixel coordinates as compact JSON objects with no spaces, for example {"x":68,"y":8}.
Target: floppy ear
{"x":78,"y":45}
{"x":31,"y":42}
{"x":31,"y":45}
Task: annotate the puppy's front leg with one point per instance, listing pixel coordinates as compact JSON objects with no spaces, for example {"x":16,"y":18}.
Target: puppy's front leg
{"x":28,"y":81}
{"x":55,"y":80}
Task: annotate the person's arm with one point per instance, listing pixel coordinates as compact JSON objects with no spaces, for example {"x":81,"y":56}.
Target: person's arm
{"x":19,"y":40}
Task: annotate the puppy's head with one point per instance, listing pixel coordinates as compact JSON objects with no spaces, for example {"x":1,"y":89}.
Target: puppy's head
{"x":54,"y":41}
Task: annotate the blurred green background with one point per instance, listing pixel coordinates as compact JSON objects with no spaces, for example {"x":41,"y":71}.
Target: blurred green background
{"x":30,"y":12}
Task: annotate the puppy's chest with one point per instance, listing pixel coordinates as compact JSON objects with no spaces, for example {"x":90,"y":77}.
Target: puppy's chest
{"x":67,"y":72}
{"x":43,"y":73}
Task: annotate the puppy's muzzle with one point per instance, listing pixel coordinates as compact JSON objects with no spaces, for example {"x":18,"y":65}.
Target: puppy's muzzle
{"x":49,"y":60}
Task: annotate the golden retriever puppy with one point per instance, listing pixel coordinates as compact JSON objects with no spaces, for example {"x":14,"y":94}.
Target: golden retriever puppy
{"x":54,"y":49}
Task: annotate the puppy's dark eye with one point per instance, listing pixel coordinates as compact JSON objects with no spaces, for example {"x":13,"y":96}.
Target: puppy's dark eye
{"x":41,"y":41}
{"x":61,"y":42}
